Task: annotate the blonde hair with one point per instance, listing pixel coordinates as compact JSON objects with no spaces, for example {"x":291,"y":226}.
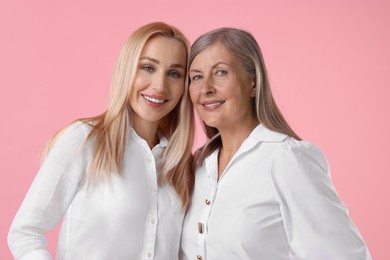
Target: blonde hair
{"x":110,"y":130}
{"x":247,"y":51}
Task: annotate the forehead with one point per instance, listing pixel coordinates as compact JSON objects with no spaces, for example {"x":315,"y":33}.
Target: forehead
{"x":163,"y":47}
{"x":213,"y":54}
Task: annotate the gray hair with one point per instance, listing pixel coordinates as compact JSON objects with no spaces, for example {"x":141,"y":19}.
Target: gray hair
{"x":245,"y":48}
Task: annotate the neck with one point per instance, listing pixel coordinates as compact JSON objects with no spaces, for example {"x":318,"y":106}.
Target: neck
{"x":232,"y":138}
{"x":148,"y":131}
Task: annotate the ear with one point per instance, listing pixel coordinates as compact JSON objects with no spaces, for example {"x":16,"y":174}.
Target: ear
{"x":253,"y":91}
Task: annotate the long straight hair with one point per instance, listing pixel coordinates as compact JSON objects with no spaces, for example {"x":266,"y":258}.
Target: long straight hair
{"x":245,"y":48}
{"x":109,"y":134}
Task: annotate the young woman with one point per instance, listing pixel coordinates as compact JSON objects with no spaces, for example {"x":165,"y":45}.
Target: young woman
{"x":119,"y":180}
{"x":260,"y":192}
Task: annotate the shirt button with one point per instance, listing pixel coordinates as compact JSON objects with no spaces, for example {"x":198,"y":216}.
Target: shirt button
{"x":148,"y":160}
{"x":207,"y":202}
{"x":149,"y":254}
{"x":152,"y":221}
{"x":200,"y":228}
{"x":198,"y":257}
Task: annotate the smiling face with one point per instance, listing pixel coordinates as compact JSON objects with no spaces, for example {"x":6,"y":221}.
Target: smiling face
{"x":159,"y":81}
{"x":221,"y":90}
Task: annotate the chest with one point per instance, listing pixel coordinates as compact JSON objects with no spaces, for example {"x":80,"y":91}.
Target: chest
{"x":241,"y":206}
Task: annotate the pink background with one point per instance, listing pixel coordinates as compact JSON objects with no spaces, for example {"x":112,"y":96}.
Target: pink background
{"x":329,"y":63}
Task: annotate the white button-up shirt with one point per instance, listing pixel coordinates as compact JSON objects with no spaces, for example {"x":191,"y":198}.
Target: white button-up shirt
{"x":275,"y":200}
{"x":127,"y":217}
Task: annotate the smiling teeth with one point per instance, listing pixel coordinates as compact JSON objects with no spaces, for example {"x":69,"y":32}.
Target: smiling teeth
{"x":154,"y":100}
{"x":213,"y":104}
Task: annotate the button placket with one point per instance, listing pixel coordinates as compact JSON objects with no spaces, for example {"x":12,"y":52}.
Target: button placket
{"x":204,"y":220}
{"x":152,"y":222}
{"x":202,"y":225}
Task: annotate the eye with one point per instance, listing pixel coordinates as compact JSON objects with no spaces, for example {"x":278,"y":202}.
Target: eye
{"x":196,"y":77}
{"x":148,"y":68}
{"x":174,"y":74}
{"x":221,"y":72}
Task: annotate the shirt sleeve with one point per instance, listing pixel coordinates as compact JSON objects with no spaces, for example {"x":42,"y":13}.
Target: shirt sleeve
{"x":49,"y":195}
{"x":316,"y":221}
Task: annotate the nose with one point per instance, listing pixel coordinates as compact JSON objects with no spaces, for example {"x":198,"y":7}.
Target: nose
{"x":159,"y":82}
{"x":207,"y":87}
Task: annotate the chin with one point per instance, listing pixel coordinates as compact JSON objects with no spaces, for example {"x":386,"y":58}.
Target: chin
{"x":211,"y":124}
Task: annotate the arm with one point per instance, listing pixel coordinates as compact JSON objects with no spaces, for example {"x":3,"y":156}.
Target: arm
{"x":316,"y":221}
{"x":49,"y":196}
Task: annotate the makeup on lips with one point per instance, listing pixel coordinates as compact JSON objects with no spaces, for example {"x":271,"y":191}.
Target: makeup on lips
{"x":154,"y":100}
{"x":212,"y":104}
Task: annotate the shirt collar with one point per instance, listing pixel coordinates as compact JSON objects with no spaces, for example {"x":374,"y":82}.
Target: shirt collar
{"x":263,"y":134}
{"x":163,"y":141}
{"x":259,"y":134}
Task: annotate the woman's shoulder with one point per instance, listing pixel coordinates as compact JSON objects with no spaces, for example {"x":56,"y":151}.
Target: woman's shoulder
{"x":69,"y":142}
{"x":301,"y":156}
{"x":74,"y":134}
{"x":280,"y":146}
{"x":76,"y":129}
{"x":292,"y":146}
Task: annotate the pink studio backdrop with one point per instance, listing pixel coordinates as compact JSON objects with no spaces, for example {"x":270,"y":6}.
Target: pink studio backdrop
{"x":329,"y":63}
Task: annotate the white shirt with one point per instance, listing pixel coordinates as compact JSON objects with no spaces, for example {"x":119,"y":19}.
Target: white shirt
{"x":275,"y":200}
{"x":128,"y":217}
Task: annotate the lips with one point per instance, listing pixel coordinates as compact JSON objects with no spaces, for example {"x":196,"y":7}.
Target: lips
{"x":212,"y":104}
{"x":154,"y":100}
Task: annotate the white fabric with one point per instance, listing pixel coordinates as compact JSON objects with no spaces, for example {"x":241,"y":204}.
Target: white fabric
{"x":128,"y":217}
{"x":40,"y":254}
{"x":275,"y":200}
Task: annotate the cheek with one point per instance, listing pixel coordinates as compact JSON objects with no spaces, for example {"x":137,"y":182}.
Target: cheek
{"x":137,"y":85}
{"x":193,"y":93}
{"x":133,"y":95}
{"x":132,"y":100}
{"x":177,"y":90}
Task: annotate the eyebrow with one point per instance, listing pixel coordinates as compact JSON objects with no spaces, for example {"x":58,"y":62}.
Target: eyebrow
{"x":150,"y":59}
{"x":175,"y":65}
{"x":197,"y":71}
{"x":216,"y":65}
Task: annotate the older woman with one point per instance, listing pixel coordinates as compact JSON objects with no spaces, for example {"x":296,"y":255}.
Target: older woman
{"x":260,"y":192}
{"x":119,"y":179}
